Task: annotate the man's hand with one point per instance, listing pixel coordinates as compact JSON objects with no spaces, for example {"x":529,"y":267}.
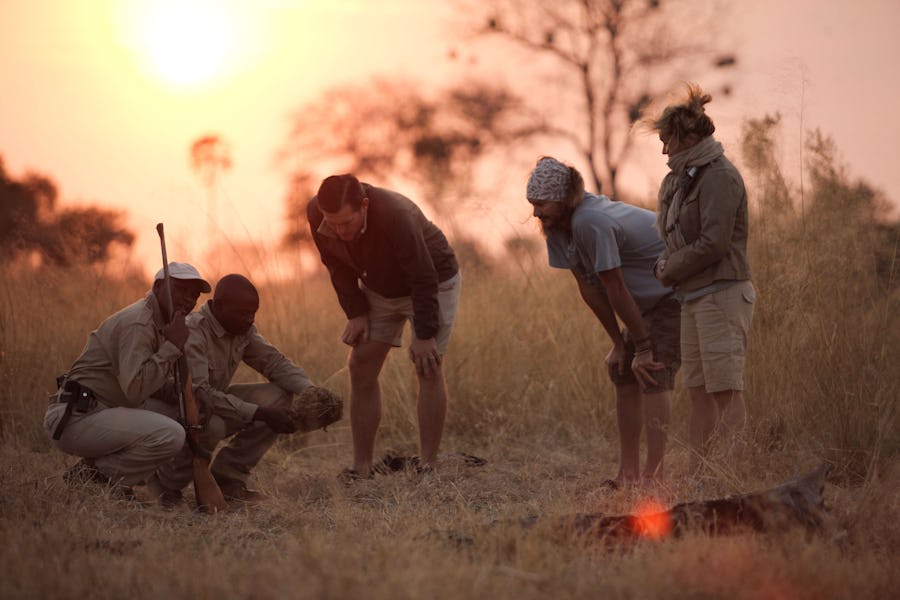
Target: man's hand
{"x":616,"y":359}
{"x":277,"y":419}
{"x":660,"y":269}
{"x":642,"y":365}
{"x":425,"y":355}
{"x":356,"y":331}
{"x":177,"y":331}
{"x":205,"y":405}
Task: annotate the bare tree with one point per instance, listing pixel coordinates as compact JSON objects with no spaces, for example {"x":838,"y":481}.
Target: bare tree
{"x":618,"y":57}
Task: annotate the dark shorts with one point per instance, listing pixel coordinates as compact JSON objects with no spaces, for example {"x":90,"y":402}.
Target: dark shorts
{"x":663,"y":321}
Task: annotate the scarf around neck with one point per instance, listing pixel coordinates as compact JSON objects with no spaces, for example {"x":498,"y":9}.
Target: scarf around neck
{"x":702,"y":153}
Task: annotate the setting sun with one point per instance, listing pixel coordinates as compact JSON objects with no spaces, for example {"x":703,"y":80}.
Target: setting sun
{"x":188,"y":42}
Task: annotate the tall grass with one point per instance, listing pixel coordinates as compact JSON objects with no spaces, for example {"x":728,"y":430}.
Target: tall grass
{"x":826,"y":341}
{"x":529,"y":393}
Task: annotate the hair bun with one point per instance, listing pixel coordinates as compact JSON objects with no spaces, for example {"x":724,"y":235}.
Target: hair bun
{"x":696,"y":99}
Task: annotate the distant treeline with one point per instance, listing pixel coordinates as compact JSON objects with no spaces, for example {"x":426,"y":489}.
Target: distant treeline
{"x":32,"y":223}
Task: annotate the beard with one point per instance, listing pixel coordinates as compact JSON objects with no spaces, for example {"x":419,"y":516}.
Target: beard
{"x":561,"y":222}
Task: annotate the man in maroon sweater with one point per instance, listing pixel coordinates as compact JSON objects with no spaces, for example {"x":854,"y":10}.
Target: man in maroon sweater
{"x":388,"y":264}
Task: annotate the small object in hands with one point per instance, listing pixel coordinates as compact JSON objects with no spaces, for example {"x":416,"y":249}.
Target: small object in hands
{"x":315,"y":408}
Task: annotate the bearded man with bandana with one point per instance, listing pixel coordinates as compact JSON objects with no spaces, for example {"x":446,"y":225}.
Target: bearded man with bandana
{"x":611,"y":247}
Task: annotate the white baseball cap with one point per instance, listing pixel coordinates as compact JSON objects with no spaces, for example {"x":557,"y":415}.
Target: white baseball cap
{"x":182,"y":270}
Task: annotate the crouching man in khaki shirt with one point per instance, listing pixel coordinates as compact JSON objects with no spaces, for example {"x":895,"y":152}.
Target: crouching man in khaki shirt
{"x":222,"y":335}
{"x":108,"y":407}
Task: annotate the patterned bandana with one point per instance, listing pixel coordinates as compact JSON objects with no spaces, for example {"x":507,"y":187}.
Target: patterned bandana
{"x":549,"y":181}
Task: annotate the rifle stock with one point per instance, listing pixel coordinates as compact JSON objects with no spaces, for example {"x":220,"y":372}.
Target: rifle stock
{"x":209,"y":496}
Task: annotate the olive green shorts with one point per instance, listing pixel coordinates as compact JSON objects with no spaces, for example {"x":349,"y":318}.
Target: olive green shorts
{"x":663,"y":322}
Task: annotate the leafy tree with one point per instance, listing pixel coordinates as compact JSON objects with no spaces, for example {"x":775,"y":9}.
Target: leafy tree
{"x":301,"y":189}
{"x":84,"y":235}
{"x":391,"y":132}
{"x":210,"y":156}
{"x":30,"y":221}
{"x":615,"y":57}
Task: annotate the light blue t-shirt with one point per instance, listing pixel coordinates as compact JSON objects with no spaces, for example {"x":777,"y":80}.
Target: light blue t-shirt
{"x":607,"y":235}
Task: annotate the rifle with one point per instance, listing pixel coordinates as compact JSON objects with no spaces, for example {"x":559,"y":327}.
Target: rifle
{"x":209,"y":496}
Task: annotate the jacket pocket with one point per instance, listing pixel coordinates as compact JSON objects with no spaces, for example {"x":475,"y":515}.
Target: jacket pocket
{"x":749,"y":295}
{"x":689,"y":217}
{"x":449,"y":284}
{"x":719,"y":347}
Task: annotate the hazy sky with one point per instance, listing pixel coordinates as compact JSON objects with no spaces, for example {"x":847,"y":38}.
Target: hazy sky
{"x":106,"y":98}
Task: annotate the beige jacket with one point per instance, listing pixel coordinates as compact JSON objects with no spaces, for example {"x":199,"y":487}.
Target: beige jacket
{"x":713,"y":223}
{"x":127,"y":358}
{"x":214,"y":355}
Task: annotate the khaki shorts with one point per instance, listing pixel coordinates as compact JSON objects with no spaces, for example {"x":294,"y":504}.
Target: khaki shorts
{"x":387,"y":316}
{"x":714,"y":332}
{"x":663,"y":322}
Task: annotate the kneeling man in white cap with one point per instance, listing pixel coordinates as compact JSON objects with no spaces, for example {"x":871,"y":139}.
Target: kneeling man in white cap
{"x":107,"y":408}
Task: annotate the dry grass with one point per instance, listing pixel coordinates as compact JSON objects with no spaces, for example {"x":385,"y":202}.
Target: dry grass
{"x":523,"y":397}
{"x":529,"y":394}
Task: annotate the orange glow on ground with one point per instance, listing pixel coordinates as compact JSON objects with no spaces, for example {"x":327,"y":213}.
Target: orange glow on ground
{"x":652,"y":520}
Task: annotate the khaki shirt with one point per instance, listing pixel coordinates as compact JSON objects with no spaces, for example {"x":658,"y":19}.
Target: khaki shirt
{"x":214,"y":355}
{"x":127,"y":358}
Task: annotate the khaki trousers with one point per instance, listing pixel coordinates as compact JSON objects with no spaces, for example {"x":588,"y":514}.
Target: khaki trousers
{"x":126,"y":444}
{"x":248,"y":444}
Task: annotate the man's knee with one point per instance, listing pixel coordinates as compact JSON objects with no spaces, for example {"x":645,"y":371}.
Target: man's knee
{"x":214,"y":431}
{"x":435,"y":379}
{"x":363,"y":369}
{"x":169,"y":438}
{"x":704,"y":405}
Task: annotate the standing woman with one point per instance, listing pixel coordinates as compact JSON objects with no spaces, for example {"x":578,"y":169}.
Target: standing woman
{"x":703,"y":221}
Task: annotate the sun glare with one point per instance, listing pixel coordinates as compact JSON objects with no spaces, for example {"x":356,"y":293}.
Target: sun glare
{"x":188,"y":43}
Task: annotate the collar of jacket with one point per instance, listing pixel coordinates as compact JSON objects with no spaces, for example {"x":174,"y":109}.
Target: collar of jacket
{"x":206,"y":311}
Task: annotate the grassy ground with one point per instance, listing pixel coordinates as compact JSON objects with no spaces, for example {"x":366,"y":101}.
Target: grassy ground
{"x":529,"y":394}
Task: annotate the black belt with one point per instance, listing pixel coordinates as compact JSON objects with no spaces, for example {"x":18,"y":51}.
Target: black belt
{"x":76,"y":397}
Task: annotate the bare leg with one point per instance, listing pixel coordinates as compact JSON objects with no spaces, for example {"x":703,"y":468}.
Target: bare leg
{"x":657,"y":416}
{"x":366,"y":361}
{"x":432,"y":410}
{"x":629,"y":415}
{"x":733,"y":411}
{"x":704,"y":417}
